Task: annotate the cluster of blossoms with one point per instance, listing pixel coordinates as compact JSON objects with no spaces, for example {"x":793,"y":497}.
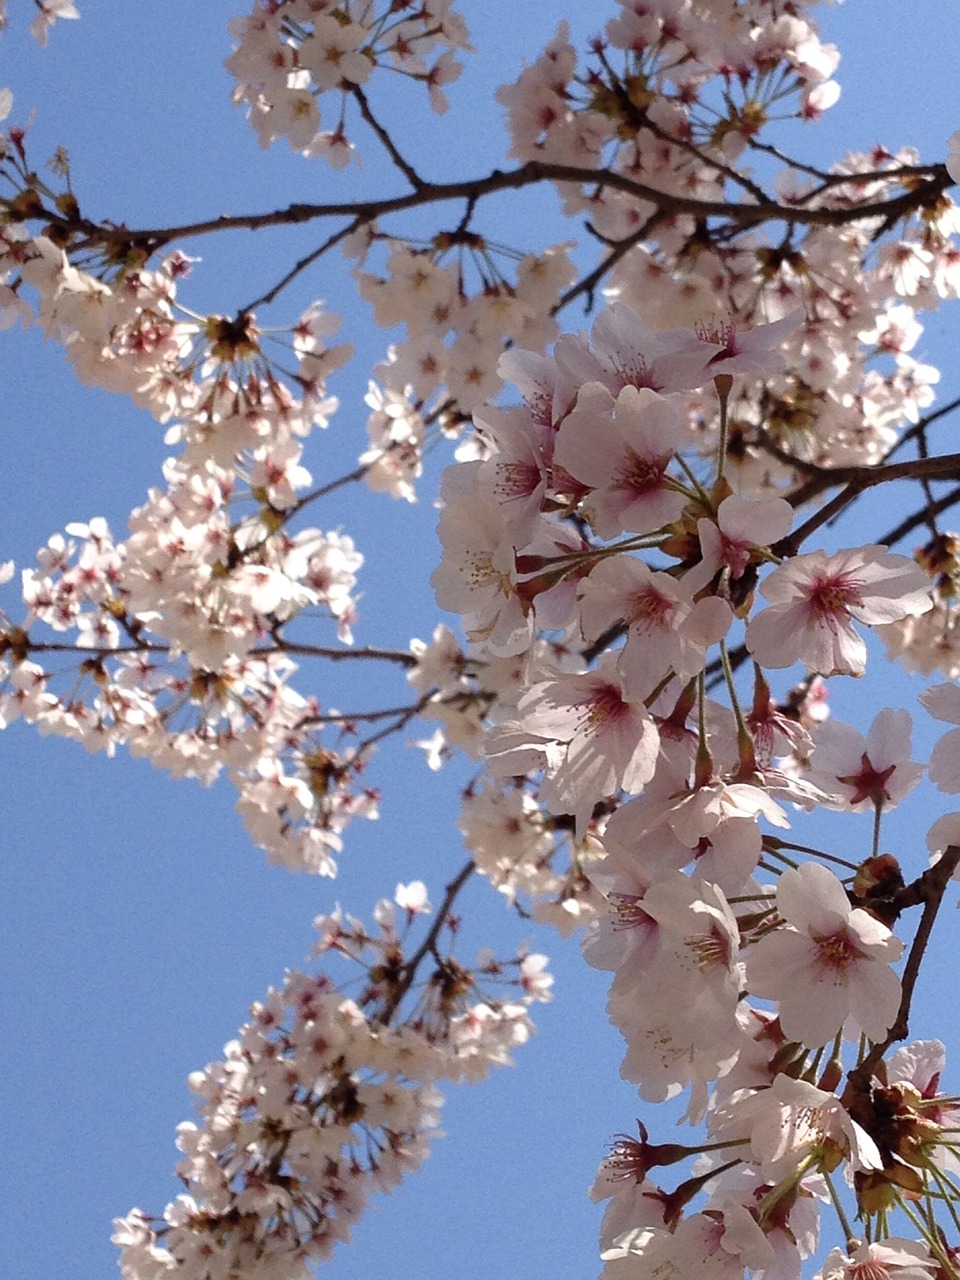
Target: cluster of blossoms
{"x":448,"y":355}
{"x":678,"y":92}
{"x":181,"y":623}
{"x":289,"y":52}
{"x":590,"y":518}
{"x":617,"y":545}
{"x":445,"y":365}
{"x":323,"y":1100}
{"x":181,"y":671}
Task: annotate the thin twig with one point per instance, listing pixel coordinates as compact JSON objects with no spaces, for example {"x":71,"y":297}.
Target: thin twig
{"x":307,"y":261}
{"x":429,"y":943}
{"x":368,"y":652}
{"x":404,"y":165}
{"x":946,"y":500}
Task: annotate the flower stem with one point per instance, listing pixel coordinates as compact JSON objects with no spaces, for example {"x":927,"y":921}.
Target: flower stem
{"x":852,"y":1240}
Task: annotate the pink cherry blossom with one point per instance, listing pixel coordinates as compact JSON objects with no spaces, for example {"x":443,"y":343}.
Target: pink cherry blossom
{"x":667,"y":631}
{"x":794,"y":1120}
{"x":890,"y":1259}
{"x":750,"y":351}
{"x":626,"y":352}
{"x":625,"y":940}
{"x":592,"y":738}
{"x":743,"y":525}
{"x":476,"y":575}
{"x":622,"y":449}
{"x":828,"y":966}
{"x":860,"y":772}
{"x":816,"y":598}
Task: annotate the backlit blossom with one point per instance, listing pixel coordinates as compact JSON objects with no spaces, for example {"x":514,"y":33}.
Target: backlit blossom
{"x":793,"y":1120}
{"x":816,"y":598}
{"x":890,"y":1259}
{"x":828,"y":966}
{"x":591,"y":737}
{"x":622,"y":449}
{"x":667,"y":631}
{"x":750,"y":351}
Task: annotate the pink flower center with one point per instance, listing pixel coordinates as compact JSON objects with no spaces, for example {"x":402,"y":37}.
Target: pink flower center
{"x":635,"y":374}
{"x":605,"y":706}
{"x":829,"y":597}
{"x":627,"y":1160}
{"x":643,"y":476}
{"x":630,"y":914}
{"x":711,"y":949}
{"x":516,"y":480}
{"x":838,"y":951}
{"x":650,"y":608}
{"x":869,"y":1269}
{"x":736,"y":554}
{"x":869,"y":783}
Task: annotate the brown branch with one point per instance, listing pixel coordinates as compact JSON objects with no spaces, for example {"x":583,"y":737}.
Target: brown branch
{"x":388,"y":144}
{"x":324,"y":491}
{"x":43,"y":646}
{"x":927,"y":421}
{"x":403,"y":714}
{"x":791,"y":544}
{"x":589,"y":282}
{"x":301,"y":265}
{"x":929,"y":889}
{"x":532,"y":173}
{"x":820,"y":477}
{"x":429,"y":943}
{"x":949,"y":499}
{"x":338,"y":655}
{"x":856,"y":480}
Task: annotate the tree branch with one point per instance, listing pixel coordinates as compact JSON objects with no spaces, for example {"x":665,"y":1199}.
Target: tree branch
{"x":856,"y":480}
{"x":429,"y":943}
{"x":929,"y":889}
{"x":404,"y":165}
{"x":946,"y":500}
{"x":151,"y":239}
{"x":338,"y":655}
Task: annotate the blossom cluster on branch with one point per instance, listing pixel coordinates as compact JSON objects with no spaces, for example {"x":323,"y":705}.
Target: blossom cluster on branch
{"x":634,"y":535}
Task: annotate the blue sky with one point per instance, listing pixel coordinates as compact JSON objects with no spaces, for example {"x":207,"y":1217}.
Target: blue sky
{"x":138,"y":923}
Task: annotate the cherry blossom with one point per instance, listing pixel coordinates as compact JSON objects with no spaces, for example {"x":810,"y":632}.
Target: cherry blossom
{"x":891,"y":1259}
{"x":625,"y":352}
{"x":865,"y":772}
{"x":742,"y":528}
{"x":829,"y":966}
{"x":477,"y":574}
{"x":816,"y":598}
{"x":753,"y":351}
{"x":621,"y":450}
{"x":794,"y":1120}
{"x":748,"y":373}
{"x":50,"y":11}
{"x":668,"y":633}
{"x":592,"y":737}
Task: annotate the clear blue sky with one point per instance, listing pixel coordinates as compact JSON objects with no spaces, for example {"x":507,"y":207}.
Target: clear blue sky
{"x":138,"y":923}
